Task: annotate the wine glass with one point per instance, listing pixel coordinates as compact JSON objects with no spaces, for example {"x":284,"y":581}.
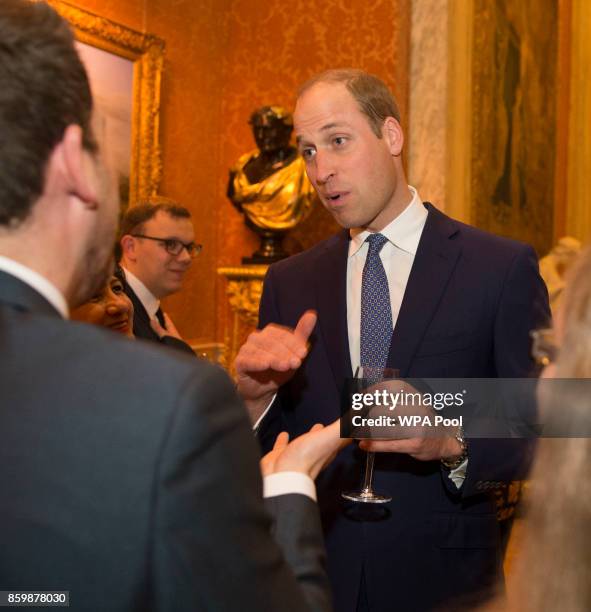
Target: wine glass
{"x":367,"y":377}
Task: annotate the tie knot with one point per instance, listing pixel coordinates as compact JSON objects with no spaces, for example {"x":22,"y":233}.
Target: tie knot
{"x":376,"y":242}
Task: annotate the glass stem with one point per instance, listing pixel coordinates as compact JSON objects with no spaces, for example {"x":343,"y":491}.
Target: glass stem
{"x":367,"y":479}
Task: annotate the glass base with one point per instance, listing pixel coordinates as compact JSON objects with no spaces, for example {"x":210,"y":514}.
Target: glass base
{"x":366,"y":496}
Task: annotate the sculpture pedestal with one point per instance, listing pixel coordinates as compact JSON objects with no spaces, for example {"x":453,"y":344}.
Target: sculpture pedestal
{"x":244,"y":289}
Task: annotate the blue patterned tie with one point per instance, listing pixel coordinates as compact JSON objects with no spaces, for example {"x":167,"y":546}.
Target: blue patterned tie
{"x":376,"y":311}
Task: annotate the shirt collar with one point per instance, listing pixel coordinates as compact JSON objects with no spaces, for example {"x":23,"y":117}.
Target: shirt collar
{"x":149,"y":301}
{"x":39,"y":283}
{"x":403,"y":232}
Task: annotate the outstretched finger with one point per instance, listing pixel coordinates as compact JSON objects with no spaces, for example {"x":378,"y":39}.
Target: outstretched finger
{"x":305,"y":325}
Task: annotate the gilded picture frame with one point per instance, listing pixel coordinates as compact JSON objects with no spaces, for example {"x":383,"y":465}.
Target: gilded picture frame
{"x":146,"y":51}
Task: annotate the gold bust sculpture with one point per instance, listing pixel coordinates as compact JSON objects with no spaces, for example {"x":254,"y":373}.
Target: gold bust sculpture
{"x":269,"y":184}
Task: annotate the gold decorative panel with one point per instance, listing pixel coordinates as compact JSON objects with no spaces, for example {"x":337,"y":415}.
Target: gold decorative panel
{"x":244,"y":288}
{"x":514,"y":118}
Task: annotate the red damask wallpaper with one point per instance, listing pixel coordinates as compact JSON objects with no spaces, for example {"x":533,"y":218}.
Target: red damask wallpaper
{"x":224,"y":58}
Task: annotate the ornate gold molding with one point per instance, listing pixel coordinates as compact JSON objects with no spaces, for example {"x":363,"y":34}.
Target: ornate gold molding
{"x":244,"y":290}
{"x":578,"y":211}
{"x":146,"y":51}
{"x":459,"y":110}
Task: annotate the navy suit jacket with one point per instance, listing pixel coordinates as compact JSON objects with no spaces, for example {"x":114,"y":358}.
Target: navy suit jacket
{"x":470,"y":302}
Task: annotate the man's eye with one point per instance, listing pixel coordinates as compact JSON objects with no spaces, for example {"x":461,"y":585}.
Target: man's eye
{"x":339,"y":141}
{"x":171,"y":245}
{"x":308,"y":153}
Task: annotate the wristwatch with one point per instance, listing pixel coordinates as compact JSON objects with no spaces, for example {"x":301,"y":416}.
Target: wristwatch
{"x":451,"y":463}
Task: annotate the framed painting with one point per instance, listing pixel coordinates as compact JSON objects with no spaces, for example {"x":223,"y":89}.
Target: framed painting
{"x":125,"y":69}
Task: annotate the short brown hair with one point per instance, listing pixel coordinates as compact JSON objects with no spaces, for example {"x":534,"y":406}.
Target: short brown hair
{"x":44,"y":90}
{"x":371,"y":93}
{"x":136,"y":216}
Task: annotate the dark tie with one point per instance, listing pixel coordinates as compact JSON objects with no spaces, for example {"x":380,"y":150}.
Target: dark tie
{"x":376,"y":311}
{"x":160,"y":317}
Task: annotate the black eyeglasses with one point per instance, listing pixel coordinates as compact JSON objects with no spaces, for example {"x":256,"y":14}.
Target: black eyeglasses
{"x":174,"y":246}
{"x":544,"y":349}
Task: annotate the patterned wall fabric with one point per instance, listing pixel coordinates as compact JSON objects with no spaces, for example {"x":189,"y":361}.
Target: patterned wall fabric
{"x":224,"y":58}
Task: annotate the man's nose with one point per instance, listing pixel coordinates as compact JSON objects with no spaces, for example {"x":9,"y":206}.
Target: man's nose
{"x":184,"y":256}
{"x":325,"y":167}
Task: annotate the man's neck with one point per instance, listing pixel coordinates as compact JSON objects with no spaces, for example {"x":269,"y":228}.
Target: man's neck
{"x":36,"y":281}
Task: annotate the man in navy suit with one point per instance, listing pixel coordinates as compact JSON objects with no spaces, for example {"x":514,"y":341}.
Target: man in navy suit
{"x":453,"y":301}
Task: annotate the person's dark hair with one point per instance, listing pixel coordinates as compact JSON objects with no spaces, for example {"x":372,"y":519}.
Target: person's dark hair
{"x":135,"y":217}
{"x":44,"y":90}
{"x":119,"y":274}
{"x":371,"y":93}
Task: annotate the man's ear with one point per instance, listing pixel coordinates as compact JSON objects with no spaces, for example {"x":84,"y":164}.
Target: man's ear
{"x":392,"y":132}
{"x":128,"y":246}
{"x":80,"y":171}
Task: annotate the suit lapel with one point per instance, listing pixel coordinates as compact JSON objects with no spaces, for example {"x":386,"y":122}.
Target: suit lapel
{"x":20,"y":296}
{"x":331,"y":294}
{"x":141,"y":320}
{"x":435,"y":260}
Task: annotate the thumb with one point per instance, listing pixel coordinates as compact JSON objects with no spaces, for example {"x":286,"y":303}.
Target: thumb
{"x":305,"y":325}
{"x":281,"y":441}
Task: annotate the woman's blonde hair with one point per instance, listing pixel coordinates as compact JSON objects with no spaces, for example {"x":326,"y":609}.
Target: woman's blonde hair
{"x":554,"y":571}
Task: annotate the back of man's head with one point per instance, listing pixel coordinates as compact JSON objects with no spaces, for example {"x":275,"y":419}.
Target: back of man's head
{"x":44,"y":89}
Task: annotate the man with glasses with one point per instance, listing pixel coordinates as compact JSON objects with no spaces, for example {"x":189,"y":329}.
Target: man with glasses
{"x":158,"y":247}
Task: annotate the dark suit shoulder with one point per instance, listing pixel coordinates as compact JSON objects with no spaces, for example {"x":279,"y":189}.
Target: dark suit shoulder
{"x":474,"y":238}
{"x":307,"y":257}
{"x":82,"y":356}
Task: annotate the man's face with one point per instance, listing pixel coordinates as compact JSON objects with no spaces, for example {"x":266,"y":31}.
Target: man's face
{"x":352,"y":169}
{"x":161,"y":272}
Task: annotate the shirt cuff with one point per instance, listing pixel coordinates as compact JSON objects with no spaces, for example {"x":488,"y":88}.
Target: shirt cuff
{"x":256,"y":425}
{"x":284,"y":483}
{"x":458,"y":475}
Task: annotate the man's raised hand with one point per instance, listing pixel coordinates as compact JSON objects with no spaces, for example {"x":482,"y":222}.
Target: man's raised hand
{"x":269,"y":358}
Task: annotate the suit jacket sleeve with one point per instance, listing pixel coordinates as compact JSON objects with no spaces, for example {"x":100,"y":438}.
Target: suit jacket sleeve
{"x":177,"y":343}
{"x":297,"y":530}
{"x":211,"y":544}
{"x":272,"y":423}
{"x":523,"y":306}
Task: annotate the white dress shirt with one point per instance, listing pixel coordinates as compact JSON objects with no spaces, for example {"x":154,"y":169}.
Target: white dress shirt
{"x":149,"y":301}
{"x":37,"y":282}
